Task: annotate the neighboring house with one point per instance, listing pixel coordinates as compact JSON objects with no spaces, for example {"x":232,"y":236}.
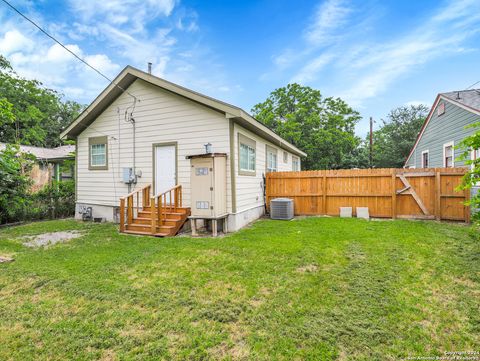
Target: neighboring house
{"x":444,"y":129}
{"x":148,"y":126}
{"x":48,"y":166}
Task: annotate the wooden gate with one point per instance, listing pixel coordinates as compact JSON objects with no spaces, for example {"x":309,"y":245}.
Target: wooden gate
{"x":390,"y":193}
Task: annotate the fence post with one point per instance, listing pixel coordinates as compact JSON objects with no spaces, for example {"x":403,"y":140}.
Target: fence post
{"x":394,"y":193}
{"x":438,"y":190}
{"x":324,"y":192}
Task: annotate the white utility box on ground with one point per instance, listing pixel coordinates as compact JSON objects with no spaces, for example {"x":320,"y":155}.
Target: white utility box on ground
{"x":208,"y":193}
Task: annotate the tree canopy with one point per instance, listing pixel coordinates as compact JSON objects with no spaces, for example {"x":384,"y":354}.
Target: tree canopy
{"x":30,"y":113}
{"x":395,"y":138}
{"x":321,"y":127}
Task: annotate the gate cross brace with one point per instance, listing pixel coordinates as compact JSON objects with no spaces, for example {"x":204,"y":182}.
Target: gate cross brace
{"x":411,"y":191}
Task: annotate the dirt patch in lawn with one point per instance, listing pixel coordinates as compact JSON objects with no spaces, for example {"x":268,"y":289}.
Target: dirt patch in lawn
{"x":49,"y":239}
{"x":309,"y":268}
{"x":5,"y":259}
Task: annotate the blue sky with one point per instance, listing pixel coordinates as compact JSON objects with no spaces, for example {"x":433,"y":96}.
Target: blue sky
{"x":376,"y":55}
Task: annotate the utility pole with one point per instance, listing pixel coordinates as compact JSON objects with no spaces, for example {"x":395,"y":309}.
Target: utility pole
{"x":371,"y":142}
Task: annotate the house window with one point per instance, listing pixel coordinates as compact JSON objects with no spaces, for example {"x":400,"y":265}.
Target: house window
{"x":97,"y":159}
{"x":475,"y":156}
{"x":247,"y":155}
{"x":448,"y":155}
{"x":272,"y":161}
{"x":285,"y":157}
{"x":441,"y":109}
{"x":425,"y":159}
{"x":295,"y":164}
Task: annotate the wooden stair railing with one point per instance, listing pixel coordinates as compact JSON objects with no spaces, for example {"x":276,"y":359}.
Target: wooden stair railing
{"x":160,"y":204}
{"x":132,"y":202}
{"x":159,"y":215}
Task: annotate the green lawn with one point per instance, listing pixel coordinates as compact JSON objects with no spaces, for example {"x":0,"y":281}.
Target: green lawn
{"x":314,"y":289}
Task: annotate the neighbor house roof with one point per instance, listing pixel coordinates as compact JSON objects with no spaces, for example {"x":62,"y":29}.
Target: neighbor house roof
{"x":466,"y":99}
{"x":62,"y":152}
{"x":128,"y":75}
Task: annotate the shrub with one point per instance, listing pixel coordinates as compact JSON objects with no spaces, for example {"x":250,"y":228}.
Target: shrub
{"x":56,"y":200}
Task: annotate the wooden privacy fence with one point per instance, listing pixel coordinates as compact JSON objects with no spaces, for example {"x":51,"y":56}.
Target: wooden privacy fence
{"x":427,"y":193}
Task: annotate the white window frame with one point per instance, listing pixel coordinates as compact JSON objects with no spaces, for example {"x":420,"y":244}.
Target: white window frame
{"x":295,"y":160}
{"x":271,"y":154}
{"x":441,"y":109}
{"x":446,"y":145}
{"x":251,"y":147}
{"x":474,"y":156}
{"x":428,"y":158}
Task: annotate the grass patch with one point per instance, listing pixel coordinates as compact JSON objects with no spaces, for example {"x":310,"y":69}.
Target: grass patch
{"x":315,"y":289}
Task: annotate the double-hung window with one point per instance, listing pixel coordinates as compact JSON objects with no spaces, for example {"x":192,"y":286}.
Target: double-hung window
{"x":295,"y":164}
{"x":425,"y":159}
{"x":247,"y":155}
{"x":272,"y":159}
{"x":448,"y":155}
{"x":97,"y":159}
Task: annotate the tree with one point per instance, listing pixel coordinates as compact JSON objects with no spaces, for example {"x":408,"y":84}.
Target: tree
{"x":472,"y":177}
{"x":396,"y":137}
{"x":15,"y":182}
{"x":321,"y":127}
{"x":39,"y":114}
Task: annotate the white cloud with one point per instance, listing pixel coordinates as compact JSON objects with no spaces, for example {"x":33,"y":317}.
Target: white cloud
{"x":330,"y":16}
{"x":13,"y":41}
{"x":383,"y":64}
{"x":308,"y":72}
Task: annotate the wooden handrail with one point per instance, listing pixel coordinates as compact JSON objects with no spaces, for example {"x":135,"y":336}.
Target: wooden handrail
{"x":158,"y":205}
{"x":131,"y":202}
{"x":136,"y":191}
{"x":163,"y":202}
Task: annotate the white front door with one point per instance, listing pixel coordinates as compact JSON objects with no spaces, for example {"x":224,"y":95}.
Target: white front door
{"x":165,"y":168}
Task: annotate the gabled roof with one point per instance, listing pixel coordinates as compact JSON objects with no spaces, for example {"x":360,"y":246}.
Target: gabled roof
{"x":469,"y":98}
{"x":128,"y":75}
{"x":465,"y":99}
{"x":62,"y":152}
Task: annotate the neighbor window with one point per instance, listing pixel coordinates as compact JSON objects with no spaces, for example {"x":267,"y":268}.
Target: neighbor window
{"x":448,"y":155}
{"x":475,"y":156}
{"x":272,"y":160}
{"x":295,"y":164}
{"x":247,"y":156}
{"x":285,"y":157}
{"x":98,"y":153}
{"x":425,"y":159}
{"x":441,"y":109}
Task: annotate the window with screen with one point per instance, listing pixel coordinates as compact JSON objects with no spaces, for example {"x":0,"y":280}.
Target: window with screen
{"x":247,"y":155}
{"x":272,"y":160}
{"x":448,"y":155}
{"x":295,"y":164}
{"x":98,"y":159}
{"x":425,"y":159}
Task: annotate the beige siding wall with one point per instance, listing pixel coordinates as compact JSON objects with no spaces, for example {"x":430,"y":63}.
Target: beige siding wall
{"x":249,"y":190}
{"x":160,"y":117}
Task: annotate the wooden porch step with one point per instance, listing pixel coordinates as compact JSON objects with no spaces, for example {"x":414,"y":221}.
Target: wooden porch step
{"x":148,"y":221}
{"x":140,"y":233}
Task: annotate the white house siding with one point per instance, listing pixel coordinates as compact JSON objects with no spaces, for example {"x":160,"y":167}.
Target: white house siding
{"x":249,"y":193}
{"x":160,"y":117}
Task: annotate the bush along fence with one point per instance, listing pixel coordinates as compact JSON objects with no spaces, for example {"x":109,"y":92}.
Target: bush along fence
{"x":428,"y":193}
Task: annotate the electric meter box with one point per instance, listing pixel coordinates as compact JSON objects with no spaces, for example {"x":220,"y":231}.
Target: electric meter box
{"x":208,"y":182}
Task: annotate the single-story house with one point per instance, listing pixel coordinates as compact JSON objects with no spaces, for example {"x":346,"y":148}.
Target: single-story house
{"x":444,"y":128}
{"x":141,"y":133}
{"x":48,"y":165}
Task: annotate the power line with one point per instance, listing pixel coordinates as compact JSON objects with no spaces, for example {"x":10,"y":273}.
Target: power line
{"x":473,"y":85}
{"x":67,"y":49}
